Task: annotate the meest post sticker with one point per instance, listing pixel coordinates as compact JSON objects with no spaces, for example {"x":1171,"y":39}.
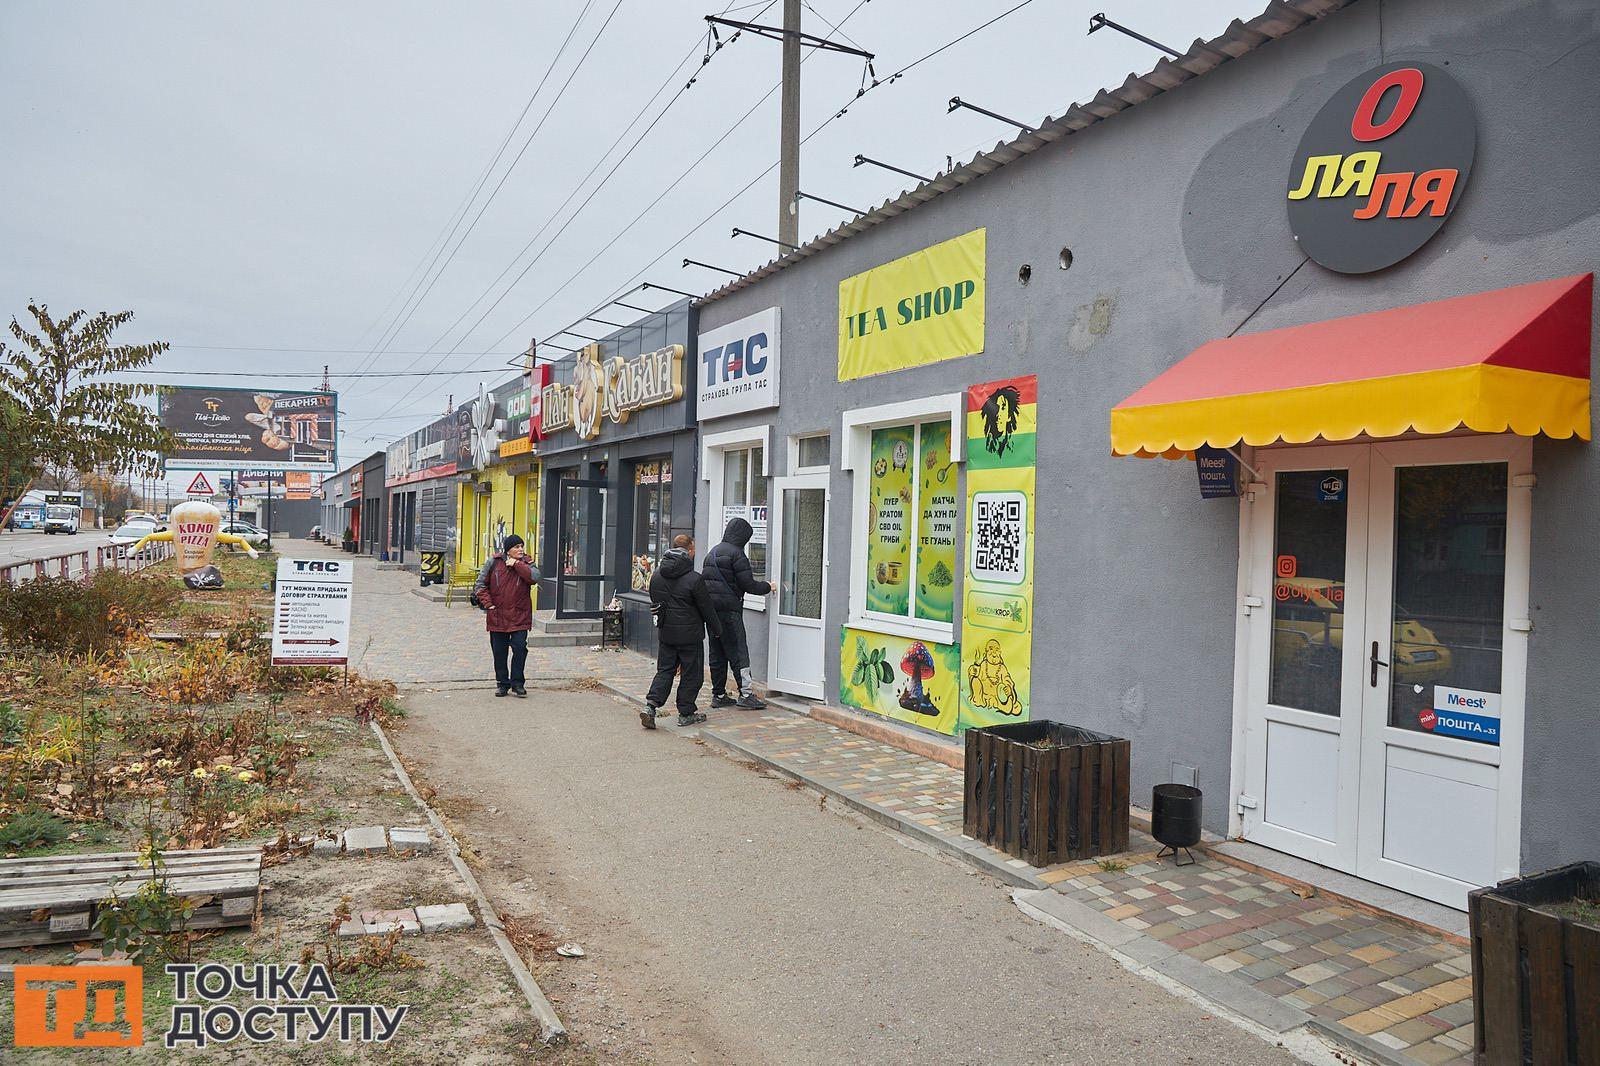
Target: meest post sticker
{"x":1466,"y":713}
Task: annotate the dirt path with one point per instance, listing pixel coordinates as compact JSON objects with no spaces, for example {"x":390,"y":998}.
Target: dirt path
{"x":727,"y":920}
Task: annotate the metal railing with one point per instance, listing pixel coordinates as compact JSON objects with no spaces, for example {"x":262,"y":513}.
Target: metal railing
{"x":79,"y":565}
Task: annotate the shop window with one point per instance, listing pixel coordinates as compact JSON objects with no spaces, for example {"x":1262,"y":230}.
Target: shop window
{"x":652,"y":517}
{"x":744,"y":495}
{"x":812,"y":452}
{"x":912,"y":515}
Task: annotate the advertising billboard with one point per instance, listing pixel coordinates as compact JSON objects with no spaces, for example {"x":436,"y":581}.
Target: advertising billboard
{"x":229,"y":429}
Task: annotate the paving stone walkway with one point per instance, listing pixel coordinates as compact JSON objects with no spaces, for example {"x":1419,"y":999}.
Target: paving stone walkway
{"x":1404,"y":990}
{"x":1396,"y":990}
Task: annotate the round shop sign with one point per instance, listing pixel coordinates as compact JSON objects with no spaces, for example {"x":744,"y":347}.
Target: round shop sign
{"x":1426,"y":718}
{"x":1381,"y":167}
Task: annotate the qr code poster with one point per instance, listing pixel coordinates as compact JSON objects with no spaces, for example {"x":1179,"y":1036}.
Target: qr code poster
{"x":998,"y":545}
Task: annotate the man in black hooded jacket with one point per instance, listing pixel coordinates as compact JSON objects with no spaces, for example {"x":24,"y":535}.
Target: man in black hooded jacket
{"x":683,"y":612}
{"x":728,"y":577}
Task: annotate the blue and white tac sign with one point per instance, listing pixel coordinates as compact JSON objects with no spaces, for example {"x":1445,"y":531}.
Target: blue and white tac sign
{"x":1466,"y":713}
{"x":738,"y":366}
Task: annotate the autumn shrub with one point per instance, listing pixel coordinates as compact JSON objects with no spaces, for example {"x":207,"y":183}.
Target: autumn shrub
{"x":89,"y":614}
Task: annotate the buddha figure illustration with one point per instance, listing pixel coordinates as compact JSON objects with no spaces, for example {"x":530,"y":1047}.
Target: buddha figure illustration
{"x":194,"y":528}
{"x":989,"y":683}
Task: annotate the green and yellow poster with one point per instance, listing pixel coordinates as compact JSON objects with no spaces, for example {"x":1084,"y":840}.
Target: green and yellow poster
{"x":918,"y":309}
{"x":997,"y":616}
{"x":938,"y":511}
{"x":908,"y":680}
{"x":889,"y":536}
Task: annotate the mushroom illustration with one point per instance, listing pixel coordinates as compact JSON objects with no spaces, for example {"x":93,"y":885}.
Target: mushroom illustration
{"x":918,"y":666}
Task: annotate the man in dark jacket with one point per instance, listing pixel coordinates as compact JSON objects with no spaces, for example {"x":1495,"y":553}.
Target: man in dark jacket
{"x":683,"y":612}
{"x":728,"y":577}
{"x":504,"y":590}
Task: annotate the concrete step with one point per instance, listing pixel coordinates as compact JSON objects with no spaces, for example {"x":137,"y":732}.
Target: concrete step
{"x":547,"y":622}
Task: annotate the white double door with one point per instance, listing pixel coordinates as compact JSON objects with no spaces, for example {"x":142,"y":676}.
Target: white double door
{"x":798,"y":555}
{"x":1386,"y":591}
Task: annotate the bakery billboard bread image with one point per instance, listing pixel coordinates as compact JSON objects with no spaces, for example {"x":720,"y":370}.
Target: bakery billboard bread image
{"x":222,"y":429}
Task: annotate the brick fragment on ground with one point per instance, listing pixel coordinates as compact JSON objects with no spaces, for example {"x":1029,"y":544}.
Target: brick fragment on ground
{"x":326,"y":846}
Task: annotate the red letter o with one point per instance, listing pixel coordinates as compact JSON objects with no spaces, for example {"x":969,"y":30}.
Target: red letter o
{"x":1409,"y":82}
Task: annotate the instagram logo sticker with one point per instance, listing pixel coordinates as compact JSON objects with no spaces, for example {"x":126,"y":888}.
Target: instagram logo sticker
{"x":1288,"y":566}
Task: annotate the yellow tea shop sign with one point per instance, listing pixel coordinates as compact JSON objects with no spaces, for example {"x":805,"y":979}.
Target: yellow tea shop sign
{"x":615,"y":388}
{"x":919,"y":309}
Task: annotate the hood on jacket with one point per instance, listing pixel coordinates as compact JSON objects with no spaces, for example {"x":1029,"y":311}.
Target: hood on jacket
{"x":738,"y":533}
{"x":675,"y":562}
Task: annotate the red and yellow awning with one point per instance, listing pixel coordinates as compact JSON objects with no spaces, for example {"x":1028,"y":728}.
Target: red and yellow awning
{"x":1512,"y":360}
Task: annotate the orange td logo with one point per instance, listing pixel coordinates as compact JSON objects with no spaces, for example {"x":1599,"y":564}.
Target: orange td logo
{"x":78,"y":1006}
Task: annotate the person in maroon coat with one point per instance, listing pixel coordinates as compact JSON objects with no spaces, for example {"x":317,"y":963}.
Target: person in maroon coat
{"x":504,"y":590}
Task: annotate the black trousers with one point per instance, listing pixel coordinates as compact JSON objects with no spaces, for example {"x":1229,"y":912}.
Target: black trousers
{"x":515,"y":647}
{"x":732,"y":652}
{"x":673,"y":658}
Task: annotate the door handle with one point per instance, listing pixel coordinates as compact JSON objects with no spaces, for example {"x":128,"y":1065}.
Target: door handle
{"x":1376,"y":662}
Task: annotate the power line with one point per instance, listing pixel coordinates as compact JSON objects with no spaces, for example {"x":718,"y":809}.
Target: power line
{"x":391,"y":333}
{"x":572,"y":217}
{"x":313,"y":351}
{"x":259,"y":376}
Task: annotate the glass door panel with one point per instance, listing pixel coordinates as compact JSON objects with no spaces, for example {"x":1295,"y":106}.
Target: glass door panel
{"x":582,"y":549}
{"x":1308,"y":564}
{"x":804,"y":515}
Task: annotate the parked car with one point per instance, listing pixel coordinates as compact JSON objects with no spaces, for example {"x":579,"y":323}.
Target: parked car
{"x":130,"y":532}
{"x":254,"y":535}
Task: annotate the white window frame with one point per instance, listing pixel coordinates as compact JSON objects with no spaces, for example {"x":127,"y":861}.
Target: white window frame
{"x":793,"y":450}
{"x":712,"y":447}
{"x":855,"y":439}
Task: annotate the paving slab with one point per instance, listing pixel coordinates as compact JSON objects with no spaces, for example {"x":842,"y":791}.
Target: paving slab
{"x":365,"y":840}
{"x":410,"y":839}
{"x":443,"y":918}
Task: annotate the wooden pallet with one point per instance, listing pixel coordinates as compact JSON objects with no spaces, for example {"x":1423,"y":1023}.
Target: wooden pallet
{"x":57,"y":899}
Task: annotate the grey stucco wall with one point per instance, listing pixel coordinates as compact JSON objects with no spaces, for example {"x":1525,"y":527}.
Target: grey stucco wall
{"x":1174,"y":212}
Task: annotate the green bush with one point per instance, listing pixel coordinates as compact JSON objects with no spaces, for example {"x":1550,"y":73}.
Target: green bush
{"x":89,"y":614}
{"x":30,"y":828}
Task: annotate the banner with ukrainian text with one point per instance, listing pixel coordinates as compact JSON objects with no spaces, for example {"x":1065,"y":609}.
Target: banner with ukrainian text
{"x":919,"y":309}
{"x":997,"y":615}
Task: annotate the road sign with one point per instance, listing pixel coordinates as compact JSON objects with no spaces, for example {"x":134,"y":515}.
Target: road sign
{"x":201,"y":486}
{"x":311,"y":612}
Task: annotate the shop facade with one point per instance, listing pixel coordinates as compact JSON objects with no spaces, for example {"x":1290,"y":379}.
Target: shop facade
{"x":341,"y":503}
{"x":372,"y":534}
{"x":499,"y":495}
{"x":1331,"y":564}
{"x":618,"y":448}
{"x":420,"y":478}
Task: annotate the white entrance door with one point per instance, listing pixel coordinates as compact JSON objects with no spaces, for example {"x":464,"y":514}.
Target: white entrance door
{"x":798,"y":538}
{"x":1386,"y":665}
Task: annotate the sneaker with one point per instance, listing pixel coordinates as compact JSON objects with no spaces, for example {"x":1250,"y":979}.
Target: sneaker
{"x":693,"y":718}
{"x":750,"y":702}
{"x":499,"y":691}
{"x":520,"y":691}
{"x":722,"y":699}
{"x":647,"y":717}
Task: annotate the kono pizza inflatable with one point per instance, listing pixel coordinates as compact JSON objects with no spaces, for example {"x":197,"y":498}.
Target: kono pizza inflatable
{"x":194,"y":528}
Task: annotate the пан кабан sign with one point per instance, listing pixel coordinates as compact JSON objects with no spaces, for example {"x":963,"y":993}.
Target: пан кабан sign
{"x":615,"y":388}
{"x":739,"y":366}
{"x":311,"y":612}
{"x":1381,"y":167}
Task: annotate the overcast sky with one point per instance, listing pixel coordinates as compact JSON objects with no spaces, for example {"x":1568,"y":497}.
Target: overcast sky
{"x":277,"y":176}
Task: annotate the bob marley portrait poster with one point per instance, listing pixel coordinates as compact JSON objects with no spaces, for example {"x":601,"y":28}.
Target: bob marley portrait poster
{"x":997,"y":615}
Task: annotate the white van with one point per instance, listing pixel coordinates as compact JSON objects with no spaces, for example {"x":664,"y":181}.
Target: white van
{"x":61,"y":518}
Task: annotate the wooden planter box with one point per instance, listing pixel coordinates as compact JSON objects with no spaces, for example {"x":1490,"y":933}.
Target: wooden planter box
{"x":1046,"y":792}
{"x":1535,"y":971}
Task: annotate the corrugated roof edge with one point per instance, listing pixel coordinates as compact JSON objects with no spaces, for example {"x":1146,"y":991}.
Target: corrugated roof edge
{"x":1281,"y":18}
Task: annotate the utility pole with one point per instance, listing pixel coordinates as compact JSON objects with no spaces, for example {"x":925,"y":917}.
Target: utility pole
{"x":793,"y":39}
{"x":789,"y":133}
